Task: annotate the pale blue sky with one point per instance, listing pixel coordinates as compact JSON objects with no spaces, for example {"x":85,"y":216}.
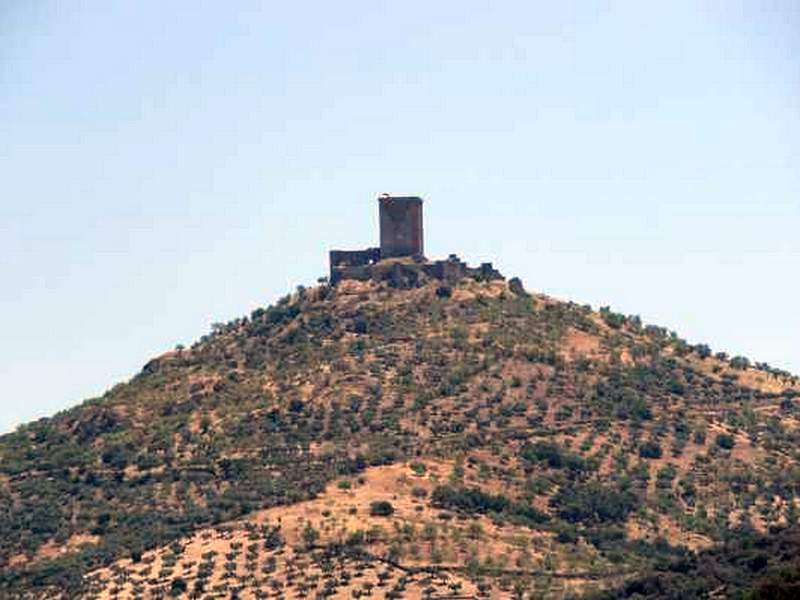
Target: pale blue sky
{"x":165,"y":165}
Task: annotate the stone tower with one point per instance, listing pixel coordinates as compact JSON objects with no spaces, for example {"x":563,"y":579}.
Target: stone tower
{"x":401,"y":226}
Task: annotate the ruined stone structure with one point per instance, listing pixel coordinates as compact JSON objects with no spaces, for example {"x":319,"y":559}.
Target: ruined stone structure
{"x":400,"y":260}
{"x":401,"y":226}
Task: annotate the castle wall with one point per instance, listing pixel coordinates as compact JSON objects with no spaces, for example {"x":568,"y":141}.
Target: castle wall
{"x":353,"y":262}
{"x":402,"y":237}
{"x":354,"y":258}
{"x":407,"y":274}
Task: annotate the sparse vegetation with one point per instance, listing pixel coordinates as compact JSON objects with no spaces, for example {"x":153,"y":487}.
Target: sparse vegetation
{"x":525,"y":437}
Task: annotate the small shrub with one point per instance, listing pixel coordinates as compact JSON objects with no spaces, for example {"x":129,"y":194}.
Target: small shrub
{"x":650,"y":449}
{"x":419,"y":469}
{"x":178,"y":588}
{"x":381,"y":508}
{"x":725,"y":441}
{"x":419,"y":492}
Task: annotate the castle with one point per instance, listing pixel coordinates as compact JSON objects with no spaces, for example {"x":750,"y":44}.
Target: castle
{"x":400,"y":259}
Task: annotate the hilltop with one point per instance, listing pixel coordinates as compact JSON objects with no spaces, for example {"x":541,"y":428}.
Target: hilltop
{"x":450,"y":440}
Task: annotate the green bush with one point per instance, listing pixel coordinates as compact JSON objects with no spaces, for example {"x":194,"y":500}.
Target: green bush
{"x":475,"y":501}
{"x":178,"y":588}
{"x":725,"y":441}
{"x":381,"y":508}
{"x":419,"y":469}
{"x":593,"y":503}
{"x":650,"y":449}
{"x":555,"y":456}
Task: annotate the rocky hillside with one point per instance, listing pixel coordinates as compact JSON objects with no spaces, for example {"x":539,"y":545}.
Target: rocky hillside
{"x":368,"y":442}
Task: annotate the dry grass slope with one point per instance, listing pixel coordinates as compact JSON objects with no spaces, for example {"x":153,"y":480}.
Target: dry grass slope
{"x":369,"y":442}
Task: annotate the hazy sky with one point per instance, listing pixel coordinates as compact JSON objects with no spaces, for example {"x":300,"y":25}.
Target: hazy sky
{"x":165,"y":165}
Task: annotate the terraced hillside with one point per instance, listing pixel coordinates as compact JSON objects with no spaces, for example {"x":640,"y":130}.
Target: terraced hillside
{"x":364,"y":441}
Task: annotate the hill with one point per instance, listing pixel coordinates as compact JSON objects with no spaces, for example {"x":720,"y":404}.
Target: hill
{"x":364,"y":441}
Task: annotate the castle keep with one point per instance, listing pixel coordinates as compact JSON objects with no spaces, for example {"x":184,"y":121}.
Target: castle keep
{"x":401,"y":226}
{"x":400,"y":259}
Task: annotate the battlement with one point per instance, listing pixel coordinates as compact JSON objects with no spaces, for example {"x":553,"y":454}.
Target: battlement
{"x":400,"y":260}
